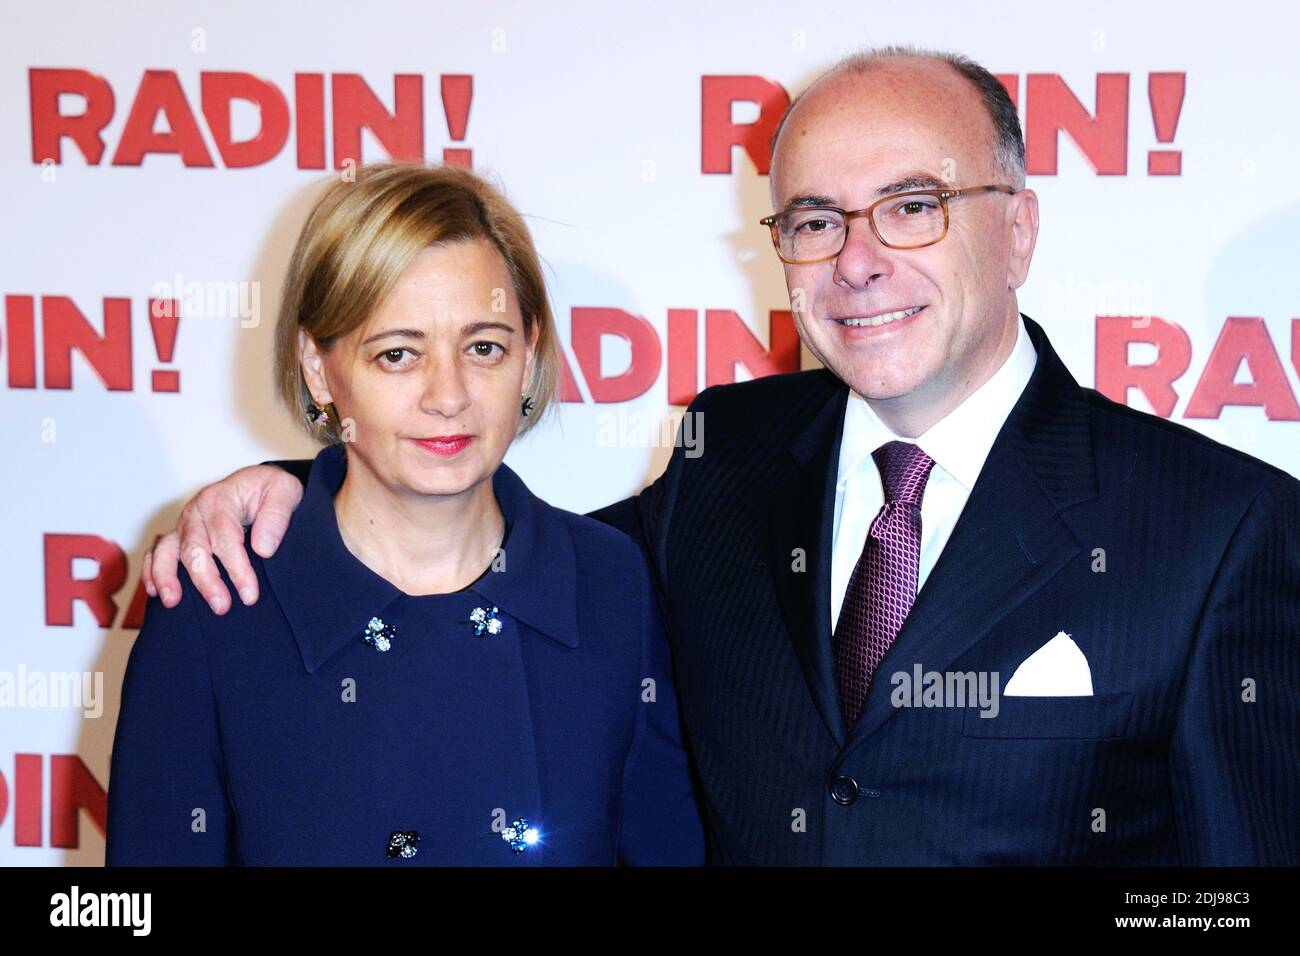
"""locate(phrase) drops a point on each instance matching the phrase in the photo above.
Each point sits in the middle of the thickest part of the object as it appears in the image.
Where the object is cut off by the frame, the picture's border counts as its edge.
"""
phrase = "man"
(961, 610)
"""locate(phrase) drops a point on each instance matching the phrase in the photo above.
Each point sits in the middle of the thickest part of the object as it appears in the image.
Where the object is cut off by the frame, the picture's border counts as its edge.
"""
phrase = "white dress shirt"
(959, 443)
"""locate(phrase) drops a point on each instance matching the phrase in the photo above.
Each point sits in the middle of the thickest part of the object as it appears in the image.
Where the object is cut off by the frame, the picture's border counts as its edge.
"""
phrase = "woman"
(450, 671)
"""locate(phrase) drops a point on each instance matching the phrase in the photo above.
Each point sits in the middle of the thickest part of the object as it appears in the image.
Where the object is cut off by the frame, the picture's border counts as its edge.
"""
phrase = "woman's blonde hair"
(360, 237)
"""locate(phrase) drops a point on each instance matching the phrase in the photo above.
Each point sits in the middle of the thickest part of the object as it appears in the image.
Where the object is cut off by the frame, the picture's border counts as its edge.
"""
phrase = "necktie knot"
(904, 469)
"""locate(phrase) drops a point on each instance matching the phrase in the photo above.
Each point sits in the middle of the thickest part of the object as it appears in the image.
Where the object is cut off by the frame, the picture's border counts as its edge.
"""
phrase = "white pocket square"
(1057, 669)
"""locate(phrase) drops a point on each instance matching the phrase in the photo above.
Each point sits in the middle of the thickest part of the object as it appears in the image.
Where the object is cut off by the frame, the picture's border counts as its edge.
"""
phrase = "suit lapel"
(800, 524)
(1010, 538)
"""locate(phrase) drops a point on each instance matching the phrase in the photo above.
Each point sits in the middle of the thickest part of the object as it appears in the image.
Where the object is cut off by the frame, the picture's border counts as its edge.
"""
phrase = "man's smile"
(878, 318)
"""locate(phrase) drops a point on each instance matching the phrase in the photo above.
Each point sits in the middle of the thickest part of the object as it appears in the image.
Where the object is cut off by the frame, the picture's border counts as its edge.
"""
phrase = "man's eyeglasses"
(907, 220)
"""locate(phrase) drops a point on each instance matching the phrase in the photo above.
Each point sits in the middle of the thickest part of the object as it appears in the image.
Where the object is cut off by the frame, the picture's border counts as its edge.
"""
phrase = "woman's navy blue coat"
(276, 734)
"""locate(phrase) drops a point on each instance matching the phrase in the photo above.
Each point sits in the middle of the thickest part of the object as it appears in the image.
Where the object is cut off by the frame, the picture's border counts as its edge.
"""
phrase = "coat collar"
(801, 523)
(328, 596)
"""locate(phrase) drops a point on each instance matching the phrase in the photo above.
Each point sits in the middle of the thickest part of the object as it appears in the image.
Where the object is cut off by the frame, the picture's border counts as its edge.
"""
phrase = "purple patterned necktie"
(883, 585)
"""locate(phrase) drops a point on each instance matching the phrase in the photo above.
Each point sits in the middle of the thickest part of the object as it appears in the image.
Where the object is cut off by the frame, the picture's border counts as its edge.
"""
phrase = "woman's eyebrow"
(406, 333)
(474, 327)
(470, 329)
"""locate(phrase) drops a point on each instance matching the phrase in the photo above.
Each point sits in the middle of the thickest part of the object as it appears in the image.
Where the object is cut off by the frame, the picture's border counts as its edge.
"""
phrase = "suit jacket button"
(844, 790)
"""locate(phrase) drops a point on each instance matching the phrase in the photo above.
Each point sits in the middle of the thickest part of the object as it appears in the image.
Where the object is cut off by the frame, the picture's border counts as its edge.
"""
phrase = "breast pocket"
(1100, 716)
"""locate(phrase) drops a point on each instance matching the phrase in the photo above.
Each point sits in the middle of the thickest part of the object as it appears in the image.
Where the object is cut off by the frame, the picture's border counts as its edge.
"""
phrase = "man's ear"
(313, 368)
(1024, 234)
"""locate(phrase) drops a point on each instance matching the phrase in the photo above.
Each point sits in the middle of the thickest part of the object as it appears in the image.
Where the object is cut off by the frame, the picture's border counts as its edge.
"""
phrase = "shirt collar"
(960, 441)
(328, 595)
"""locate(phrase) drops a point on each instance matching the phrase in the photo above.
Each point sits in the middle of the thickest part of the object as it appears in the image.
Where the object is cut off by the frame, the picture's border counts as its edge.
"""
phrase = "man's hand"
(212, 523)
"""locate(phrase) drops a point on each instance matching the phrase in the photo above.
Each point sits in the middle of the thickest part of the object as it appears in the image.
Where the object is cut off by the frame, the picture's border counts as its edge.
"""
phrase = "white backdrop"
(603, 123)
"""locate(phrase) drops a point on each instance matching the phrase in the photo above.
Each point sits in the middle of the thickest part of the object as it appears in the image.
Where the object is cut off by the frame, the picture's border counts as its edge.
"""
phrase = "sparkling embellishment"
(401, 843)
(520, 835)
(485, 621)
(379, 635)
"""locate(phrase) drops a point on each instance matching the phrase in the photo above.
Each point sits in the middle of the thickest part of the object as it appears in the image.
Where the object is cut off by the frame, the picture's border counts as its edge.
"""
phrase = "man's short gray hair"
(1009, 147)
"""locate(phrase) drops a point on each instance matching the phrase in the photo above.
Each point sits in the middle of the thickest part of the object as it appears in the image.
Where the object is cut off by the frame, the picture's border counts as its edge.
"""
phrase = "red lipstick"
(448, 446)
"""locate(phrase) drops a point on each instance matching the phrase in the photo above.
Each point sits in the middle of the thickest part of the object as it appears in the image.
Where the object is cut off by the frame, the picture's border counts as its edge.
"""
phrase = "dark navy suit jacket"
(1187, 752)
(276, 735)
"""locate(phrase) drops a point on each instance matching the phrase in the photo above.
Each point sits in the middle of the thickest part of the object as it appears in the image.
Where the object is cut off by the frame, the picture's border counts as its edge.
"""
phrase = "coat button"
(402, 844)
(844, 790)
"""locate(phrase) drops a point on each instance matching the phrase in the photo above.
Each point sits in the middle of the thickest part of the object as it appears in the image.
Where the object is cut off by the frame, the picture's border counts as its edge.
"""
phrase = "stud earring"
(526, 406)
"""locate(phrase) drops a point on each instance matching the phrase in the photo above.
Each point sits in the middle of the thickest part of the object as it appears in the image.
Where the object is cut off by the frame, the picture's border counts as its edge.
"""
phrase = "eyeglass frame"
(943, 195)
